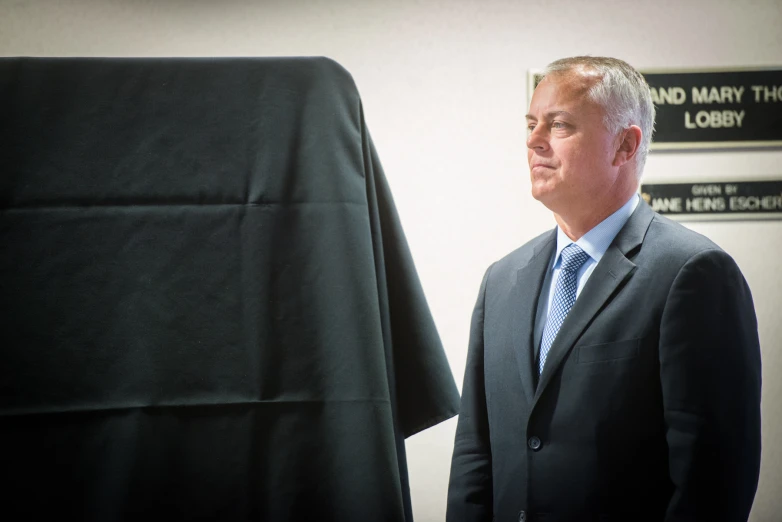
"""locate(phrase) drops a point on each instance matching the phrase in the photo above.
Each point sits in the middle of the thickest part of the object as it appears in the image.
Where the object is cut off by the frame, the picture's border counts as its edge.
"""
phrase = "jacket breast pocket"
(609, 352)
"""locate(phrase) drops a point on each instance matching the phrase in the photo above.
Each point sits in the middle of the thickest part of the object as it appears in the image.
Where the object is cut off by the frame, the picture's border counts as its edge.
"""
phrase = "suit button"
(534, 443)
(522, 516)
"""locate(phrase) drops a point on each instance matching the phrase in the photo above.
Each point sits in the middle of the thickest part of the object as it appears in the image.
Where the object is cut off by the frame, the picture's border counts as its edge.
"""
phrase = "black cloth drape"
(209, 309)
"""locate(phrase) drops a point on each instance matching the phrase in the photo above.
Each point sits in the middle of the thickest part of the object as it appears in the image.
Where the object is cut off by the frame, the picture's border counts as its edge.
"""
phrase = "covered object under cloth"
(209, 309)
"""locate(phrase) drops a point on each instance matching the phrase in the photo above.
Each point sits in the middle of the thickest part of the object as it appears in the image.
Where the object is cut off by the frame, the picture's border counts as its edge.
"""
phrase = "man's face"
(570, 151)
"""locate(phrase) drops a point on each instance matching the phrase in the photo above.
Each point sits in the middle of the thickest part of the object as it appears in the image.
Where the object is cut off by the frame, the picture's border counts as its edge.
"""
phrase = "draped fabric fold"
(210, 310)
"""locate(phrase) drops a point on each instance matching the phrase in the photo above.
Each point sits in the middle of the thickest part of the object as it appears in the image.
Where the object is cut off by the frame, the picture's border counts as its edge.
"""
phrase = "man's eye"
(530, 127)
(559, 125)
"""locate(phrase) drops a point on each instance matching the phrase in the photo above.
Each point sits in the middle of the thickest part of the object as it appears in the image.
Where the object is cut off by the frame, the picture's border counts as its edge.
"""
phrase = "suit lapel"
(609, 274)
(529, 281)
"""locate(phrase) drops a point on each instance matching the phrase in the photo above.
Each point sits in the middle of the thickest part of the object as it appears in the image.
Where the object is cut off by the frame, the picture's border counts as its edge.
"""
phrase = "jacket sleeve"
(711, 377)
(470, 486)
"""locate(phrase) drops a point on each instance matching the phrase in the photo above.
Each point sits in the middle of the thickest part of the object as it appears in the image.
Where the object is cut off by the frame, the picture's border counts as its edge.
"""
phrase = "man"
(613, 371)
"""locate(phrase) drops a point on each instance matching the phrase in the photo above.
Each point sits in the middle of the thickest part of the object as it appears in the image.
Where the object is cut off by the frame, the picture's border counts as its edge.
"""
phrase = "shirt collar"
(596, 241)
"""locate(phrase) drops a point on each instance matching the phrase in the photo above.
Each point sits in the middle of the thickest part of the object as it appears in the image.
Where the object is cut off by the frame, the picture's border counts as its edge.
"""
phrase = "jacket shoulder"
(520, 257)
(675, 239)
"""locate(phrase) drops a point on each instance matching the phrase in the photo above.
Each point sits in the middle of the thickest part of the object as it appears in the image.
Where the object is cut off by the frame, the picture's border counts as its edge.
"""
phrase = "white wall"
(444, 89)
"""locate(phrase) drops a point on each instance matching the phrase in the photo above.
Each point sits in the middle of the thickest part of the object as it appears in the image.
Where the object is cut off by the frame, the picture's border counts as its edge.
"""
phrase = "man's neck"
(576, 226)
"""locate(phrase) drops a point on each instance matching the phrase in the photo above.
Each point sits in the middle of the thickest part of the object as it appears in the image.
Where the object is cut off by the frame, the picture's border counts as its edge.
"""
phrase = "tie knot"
(573, 257)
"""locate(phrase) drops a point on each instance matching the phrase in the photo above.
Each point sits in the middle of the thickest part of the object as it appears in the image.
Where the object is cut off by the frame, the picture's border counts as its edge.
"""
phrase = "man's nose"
(537, 139)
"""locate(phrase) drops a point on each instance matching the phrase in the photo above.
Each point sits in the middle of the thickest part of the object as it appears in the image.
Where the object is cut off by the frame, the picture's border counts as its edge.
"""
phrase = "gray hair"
(621, 91)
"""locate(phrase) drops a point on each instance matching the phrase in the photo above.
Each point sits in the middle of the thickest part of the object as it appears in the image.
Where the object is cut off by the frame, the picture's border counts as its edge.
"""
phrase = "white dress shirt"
(595, 243)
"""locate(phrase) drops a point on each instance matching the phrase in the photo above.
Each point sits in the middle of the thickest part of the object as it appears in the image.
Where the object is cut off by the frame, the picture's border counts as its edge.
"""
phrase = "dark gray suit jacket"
(649, 405)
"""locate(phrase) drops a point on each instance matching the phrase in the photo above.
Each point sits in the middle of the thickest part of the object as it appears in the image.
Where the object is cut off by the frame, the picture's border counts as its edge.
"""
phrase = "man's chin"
(546, 196)
(541, 192)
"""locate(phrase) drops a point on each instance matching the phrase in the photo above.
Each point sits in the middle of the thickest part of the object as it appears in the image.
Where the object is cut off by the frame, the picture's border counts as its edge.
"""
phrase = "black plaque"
(716, 200)
(729, 108)
(709, 109)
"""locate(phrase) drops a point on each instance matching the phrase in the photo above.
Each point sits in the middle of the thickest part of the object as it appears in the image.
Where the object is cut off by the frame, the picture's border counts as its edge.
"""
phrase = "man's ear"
(629, 141)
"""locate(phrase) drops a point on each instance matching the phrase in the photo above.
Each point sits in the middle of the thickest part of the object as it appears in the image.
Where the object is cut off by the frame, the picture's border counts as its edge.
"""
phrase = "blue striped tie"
(564, 297)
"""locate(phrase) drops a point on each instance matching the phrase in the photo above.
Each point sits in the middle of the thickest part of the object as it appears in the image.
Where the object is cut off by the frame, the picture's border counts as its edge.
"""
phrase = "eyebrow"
(550, 115)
